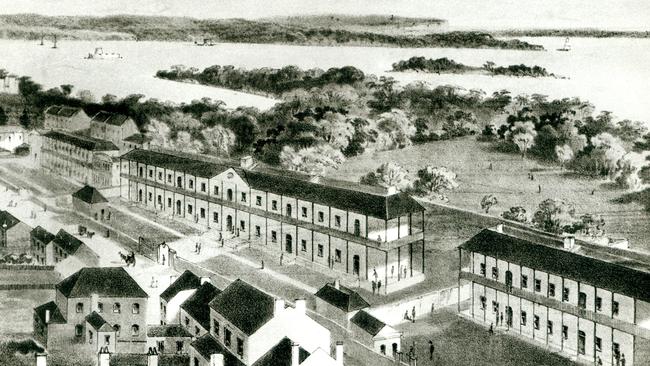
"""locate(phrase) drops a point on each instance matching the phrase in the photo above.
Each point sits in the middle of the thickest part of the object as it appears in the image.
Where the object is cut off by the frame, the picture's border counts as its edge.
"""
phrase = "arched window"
(135, 330)
(117, 307)
(179, 182)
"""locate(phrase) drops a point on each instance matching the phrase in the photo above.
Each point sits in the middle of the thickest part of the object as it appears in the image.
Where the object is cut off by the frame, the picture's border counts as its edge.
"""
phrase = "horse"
(129, 259)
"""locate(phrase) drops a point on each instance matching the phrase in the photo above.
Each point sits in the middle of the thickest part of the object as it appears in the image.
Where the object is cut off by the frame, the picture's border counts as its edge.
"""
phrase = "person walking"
(374, 274)
(622, 359)
(405, 272)
(374, 286)
(392, 271)
(491, 330)
(379, 287)
(432, 348)
(413, 314)
(198, 248)
(501, 319)
(262, 263)
(281, 258)
(539, 188)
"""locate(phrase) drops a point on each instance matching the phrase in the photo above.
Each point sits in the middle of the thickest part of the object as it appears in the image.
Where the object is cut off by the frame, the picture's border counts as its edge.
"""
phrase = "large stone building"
(94, 308)
(360, 232)
(589, 303)
(117, 128)
(84, 159)
(65, 118)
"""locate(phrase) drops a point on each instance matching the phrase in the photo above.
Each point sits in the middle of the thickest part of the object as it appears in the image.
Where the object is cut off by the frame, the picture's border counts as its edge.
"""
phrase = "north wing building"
(367, 233)
(587, 303)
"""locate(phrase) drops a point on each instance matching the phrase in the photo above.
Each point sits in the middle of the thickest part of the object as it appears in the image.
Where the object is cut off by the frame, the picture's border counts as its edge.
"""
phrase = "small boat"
(99, 54)
(566, 47)
(206, 42)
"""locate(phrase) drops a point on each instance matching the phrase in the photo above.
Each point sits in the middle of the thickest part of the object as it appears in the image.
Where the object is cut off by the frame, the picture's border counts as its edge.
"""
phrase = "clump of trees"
(389, 175)
(445, 65)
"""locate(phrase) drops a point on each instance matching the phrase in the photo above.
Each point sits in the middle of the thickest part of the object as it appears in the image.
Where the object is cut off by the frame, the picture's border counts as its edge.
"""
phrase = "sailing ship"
(99, 54)
(566, 47)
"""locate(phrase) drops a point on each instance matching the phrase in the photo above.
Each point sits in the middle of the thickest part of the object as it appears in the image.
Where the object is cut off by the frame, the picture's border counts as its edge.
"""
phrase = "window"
(382, 349)
(100, 307)
(169, 178)
(599, 344)
(150, 173)
(203, 188)
(78, 330)
(240, 347)
(483, 302)
(187, 321)
(258, 231)
(524, 281)
(582, 300)
(226, 337)
(107, 340)
(599, 303)
(215, 327)
(565, 332)
(117, 307)
(191, 184)
(160, 176)
(581, 342)
(337, 255)
(258, 201)
(215, 216)
(549, 327)
(614, 308)
(243, 196)
(495, 273)
(321, 216)
(304, 212)
(90, 336)
(523, 318)
(495, 307)
(189, 209)
(202, 213)
(482, 269)
(179, 346)
(303, 245)
(80, 307)
(320, 250)
(289, 211)
(179, 182)
(141, 172)
(565, 294)
(135, 330)
(274, 205)
(337, 221)
(616, 349)
(551, 290)
(159, 200)
(538, 285)
(536, 322)
(242, 225)
(216, 191)
(274, 236)
(169, 202)
(150, 195)
(135, 308)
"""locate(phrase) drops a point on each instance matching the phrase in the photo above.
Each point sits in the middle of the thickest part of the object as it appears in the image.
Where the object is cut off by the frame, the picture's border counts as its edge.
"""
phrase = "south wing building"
(368, 234)
(578, 301)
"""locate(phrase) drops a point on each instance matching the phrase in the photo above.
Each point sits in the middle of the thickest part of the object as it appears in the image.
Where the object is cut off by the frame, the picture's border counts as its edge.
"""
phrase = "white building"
(11, 137)
(175, 294)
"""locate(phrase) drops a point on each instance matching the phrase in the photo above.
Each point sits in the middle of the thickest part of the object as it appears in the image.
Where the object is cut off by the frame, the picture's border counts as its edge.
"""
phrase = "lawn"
(17, 310)
(508, 181)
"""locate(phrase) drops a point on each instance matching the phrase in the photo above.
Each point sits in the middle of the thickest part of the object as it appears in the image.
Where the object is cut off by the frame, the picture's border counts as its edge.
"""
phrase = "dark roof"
(555, 260)
(368, 323)
(67, 242)
(138, 138)
(114, 119)
(8, 219)
(207, 345)
(382, 206)
(280, 355)
(90, 195)
(62, 111)
(103, 281)
(42, 234)
(197, 306)
(140, 359)
(343, 298)
(98, 322)
(244, 306)
(55, 314)
(83, 142)
(169, 330)
(186, 281)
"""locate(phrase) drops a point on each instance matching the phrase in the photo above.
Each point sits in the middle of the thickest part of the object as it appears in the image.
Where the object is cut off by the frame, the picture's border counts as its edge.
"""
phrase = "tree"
(182, 122)
(3, 117)
(388, 175)
(434, 180)
(25, 120)
(336, 130)
(186, 143)
(66, 89)
(397, 127)
(109, 99)
(159, 133)
(312, 160)
(630, 131)
(553, 214)
(609, 151)
(86, 96)
(219, 139)
(564, 154)
(523, 135)
(516, 213)
(487, 202)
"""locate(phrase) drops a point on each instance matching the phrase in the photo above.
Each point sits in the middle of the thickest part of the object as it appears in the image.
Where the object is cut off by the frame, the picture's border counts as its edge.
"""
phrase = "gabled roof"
(98, 323)
(169, 330)
(89, 195)
(555, 260)
(55, 314)
(244, 306)
(197, 306)
(62, 111)
(280, 355)
(138, 138)
(319, 358)
(42, 234)
(368, 323)
(346, 196)
(343, 298)
(114, 119)
(186, 281)
(83, 142)
(7, 220)
(103, 281)
(67, 242)
(207, 345)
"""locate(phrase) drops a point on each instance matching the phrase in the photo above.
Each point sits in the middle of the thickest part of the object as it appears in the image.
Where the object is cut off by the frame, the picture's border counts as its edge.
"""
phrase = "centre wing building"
(369, 233)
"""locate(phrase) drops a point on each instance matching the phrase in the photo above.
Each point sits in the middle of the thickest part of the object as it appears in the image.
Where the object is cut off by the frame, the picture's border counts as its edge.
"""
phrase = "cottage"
(14, 234)
(90, 202)
(195, 311)
(175, 294)
(339, 303)
(375, 334)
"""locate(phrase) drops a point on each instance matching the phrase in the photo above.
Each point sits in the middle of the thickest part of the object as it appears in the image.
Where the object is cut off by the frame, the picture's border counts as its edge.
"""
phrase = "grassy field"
(17, 310)
(508, 181)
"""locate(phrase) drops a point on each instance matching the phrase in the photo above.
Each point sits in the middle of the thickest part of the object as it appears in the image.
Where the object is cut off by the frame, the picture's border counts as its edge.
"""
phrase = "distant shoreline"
(577, 33)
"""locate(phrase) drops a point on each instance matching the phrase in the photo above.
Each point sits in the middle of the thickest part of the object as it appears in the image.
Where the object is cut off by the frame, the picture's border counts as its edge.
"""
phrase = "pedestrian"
(392, 271)
(593, 191)
(379, 287)
(532, 177)
(222, 242)
(262, 263)
(501, 319)
(491, 330)
(199, 248)
(163, 259)
(433, 307)
(539, 188)
(405, 272)
(413, 314)
(374, 273)
(44, 208)
(599, 362)
(153, 282)
(329, 262)
(220, 236)
(490, 166)
(196, 247)
(406, 315)
(281, 258)
(374, 286)
(432, 348)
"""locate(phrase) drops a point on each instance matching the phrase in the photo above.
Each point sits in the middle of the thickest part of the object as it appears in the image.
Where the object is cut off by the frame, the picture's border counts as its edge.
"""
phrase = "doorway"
(355, 265)
(179, 207)
(288, 243)
(229, 223)
(509, 316)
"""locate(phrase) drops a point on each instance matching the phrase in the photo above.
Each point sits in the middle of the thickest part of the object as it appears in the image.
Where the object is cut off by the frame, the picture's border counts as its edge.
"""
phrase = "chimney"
(152, 357)
(339, 353)
(205, 279)
(569, 242)
(94, 300)
(499, 228)
(301, 306)
(216, 359)
(279, 306)
(47, 316)
(41, 359)
(246, 162)
(337, 284)
(391, 190)
(295, 354)
(104, 358)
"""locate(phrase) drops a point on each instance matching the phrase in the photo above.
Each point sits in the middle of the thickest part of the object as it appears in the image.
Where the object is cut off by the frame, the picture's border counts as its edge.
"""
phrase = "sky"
(479, 14)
